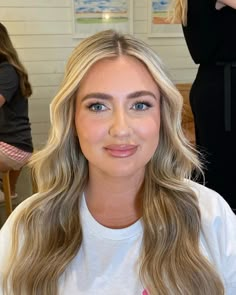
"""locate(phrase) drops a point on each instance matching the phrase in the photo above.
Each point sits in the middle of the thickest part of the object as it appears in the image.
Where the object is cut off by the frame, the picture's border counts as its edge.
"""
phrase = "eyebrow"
(105, 96)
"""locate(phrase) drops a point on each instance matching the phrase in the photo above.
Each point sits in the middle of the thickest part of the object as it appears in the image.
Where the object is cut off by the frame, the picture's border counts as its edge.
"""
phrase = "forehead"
(124, 73)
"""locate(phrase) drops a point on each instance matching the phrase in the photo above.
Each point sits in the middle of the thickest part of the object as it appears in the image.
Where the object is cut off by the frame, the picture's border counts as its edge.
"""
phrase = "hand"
(2, 100)
(219, 5)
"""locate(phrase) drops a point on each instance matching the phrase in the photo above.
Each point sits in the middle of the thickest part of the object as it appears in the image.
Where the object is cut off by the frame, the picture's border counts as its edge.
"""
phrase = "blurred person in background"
(209, 31)
(15, 132)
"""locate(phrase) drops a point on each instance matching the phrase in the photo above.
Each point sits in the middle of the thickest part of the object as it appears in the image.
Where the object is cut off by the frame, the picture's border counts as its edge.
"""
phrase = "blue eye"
(141, 106)
(97, 107)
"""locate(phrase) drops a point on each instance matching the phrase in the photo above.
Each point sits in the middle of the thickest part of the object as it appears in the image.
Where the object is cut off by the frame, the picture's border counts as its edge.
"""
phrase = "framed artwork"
(91, 16)
(158, 23)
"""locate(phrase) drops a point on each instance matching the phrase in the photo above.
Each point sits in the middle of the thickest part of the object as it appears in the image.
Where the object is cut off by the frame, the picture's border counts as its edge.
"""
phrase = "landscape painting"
(91, 16)
(159, 11)
(159, 25)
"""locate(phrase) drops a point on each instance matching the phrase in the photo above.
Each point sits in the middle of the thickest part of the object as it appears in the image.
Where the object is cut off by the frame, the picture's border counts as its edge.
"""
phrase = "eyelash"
(91, 105)
(147, 106)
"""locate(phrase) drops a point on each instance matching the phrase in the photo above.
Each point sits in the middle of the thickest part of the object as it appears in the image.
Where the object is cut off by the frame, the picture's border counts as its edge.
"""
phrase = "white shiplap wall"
(42, 34)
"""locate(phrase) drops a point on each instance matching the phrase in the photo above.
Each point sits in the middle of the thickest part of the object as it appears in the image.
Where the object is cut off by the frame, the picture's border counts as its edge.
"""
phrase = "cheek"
(88, 131)
(150, 129)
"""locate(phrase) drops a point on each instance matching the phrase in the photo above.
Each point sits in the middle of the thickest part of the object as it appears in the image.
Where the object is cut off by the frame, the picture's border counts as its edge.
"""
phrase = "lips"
(121, 151)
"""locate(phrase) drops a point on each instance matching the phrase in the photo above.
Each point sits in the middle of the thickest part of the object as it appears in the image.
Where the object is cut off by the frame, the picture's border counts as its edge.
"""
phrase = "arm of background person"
(221, 3)
(2, 100)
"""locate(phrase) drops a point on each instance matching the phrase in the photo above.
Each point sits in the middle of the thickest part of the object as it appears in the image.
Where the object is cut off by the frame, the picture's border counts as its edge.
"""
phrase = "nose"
(120, 124)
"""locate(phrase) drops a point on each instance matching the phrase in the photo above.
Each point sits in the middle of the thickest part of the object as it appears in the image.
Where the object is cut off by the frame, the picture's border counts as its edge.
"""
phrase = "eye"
(141, 106)
(97, 107)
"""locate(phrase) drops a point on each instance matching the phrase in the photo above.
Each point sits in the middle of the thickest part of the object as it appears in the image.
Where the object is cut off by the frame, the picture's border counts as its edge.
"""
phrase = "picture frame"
(91, 16)
(158, 24)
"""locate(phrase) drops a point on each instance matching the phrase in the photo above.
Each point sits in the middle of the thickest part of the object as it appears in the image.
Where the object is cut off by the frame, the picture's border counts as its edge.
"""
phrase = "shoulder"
(6, 237)
(7, 68)
(8, 74)
(6, 234)
(211, 203)
(15, 213)
(218, 233)
(9, 81)
(213, 207)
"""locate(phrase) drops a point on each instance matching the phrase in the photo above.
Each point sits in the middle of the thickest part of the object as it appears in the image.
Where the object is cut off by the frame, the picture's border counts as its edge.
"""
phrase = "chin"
(124, 172)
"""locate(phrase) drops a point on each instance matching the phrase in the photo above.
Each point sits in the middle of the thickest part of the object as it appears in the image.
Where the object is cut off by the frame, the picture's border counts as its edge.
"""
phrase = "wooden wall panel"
(45, 55)
(39, 28)
(33, 3)
(41, 31)
(35, 14)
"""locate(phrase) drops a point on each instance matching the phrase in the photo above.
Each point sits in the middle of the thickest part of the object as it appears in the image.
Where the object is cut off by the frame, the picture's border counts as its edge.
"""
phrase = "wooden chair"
(7, 192)
(187, 115)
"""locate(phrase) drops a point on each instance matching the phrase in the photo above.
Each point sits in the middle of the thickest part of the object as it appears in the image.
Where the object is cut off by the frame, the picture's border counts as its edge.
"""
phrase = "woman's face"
(117, 116)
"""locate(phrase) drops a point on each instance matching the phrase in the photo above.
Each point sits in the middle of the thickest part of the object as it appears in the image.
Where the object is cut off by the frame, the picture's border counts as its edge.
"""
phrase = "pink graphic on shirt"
(145, 292)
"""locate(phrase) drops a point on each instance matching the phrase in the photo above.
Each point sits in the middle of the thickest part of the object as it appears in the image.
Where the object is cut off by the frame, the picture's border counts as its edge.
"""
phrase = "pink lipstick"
(121, 150)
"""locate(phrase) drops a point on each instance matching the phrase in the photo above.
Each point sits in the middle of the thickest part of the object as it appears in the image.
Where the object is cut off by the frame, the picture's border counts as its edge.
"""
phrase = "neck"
(115, 202)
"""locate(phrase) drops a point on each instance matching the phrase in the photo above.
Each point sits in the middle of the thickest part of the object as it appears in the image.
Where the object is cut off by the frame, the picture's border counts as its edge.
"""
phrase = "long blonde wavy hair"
(47, 234)
(178, 11)
(9, 54)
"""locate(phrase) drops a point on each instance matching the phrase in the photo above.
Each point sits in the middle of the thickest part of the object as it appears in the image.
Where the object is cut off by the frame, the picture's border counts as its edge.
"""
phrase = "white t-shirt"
(106, 263)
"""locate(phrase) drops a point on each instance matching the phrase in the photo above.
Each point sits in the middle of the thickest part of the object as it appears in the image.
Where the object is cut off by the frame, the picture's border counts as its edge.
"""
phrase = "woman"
(15, 133)
(116, 212)
(212, 45)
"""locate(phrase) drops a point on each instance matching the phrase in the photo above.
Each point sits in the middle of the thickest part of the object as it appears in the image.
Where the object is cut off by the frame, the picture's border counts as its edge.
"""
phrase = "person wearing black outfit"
(209, 31)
